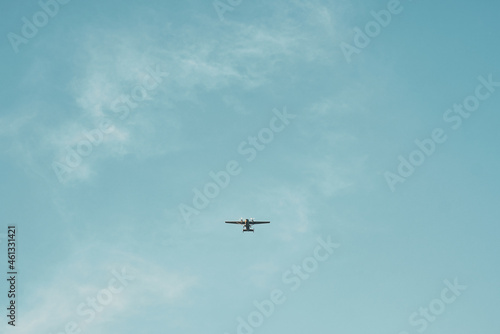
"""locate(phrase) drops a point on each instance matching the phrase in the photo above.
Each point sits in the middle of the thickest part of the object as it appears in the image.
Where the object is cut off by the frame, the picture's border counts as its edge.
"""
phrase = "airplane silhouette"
(247, 223)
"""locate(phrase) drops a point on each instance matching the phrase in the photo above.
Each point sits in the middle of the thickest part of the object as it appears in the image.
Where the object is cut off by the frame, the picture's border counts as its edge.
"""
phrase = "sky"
(365, 131)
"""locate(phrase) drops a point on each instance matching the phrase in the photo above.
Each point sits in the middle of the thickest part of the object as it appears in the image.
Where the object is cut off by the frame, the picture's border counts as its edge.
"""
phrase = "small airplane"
(247, 223)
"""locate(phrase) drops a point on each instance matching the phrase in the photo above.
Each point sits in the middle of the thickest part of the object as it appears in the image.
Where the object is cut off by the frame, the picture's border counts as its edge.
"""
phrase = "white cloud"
(110, 62)
(50, 306)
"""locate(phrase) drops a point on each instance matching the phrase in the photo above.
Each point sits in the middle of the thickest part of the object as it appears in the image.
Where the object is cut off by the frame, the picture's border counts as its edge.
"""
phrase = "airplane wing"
(254, 222)
(234, 222)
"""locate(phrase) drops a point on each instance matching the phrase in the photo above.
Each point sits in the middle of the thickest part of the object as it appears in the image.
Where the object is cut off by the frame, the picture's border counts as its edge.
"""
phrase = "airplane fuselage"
(247, 227)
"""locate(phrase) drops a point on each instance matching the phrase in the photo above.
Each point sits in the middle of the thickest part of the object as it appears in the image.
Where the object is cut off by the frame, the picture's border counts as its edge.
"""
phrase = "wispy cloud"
(56, 303)
(111, 61)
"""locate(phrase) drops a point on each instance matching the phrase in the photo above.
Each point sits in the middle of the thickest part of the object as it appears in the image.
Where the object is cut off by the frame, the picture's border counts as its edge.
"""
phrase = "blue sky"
(115, 113)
